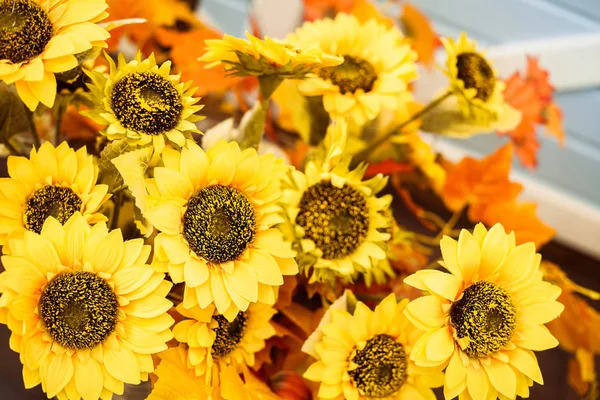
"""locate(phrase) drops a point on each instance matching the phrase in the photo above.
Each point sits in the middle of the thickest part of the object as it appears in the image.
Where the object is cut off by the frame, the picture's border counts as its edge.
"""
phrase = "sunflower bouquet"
(213, 217)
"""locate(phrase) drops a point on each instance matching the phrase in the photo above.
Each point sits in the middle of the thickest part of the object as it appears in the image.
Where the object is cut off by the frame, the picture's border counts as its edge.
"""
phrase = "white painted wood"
(577, 223)
(277, 18)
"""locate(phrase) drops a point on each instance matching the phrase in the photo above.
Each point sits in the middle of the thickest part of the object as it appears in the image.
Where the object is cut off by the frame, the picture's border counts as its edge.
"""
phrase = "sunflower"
(367, 355)
(338, 221)
(378, 65)
(216, 211)
(177, 381)
(40, 38)
(142, 103)
(85, 311)
(473, 80)
(53, 182)
(256, 57)
(485, 317)
(215, 343)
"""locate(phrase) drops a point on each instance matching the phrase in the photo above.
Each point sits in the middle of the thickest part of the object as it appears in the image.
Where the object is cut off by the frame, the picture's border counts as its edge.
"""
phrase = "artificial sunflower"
(53, 182)
(142, 103)
(85, 310)
(177, 381)
(378, 65)
(216, 211)
(40, 38)
(366, 355)
(256, 57)
(337, 220)
(215, 343)
(474, 81)
(485, 317)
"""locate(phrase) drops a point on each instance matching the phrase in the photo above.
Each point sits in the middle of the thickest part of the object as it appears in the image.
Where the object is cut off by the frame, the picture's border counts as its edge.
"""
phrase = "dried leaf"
(479, 183)
(520, 218)
(418, 28)
(110, 174)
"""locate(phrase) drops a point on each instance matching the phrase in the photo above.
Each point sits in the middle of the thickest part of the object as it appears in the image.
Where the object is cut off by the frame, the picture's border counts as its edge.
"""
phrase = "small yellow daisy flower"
(216, 212)
(40, 38)
(256, 57)
(366, 355)
(338, 222)
(215, 343)
(473, 80)
(378, 66)
(85, 310)
(55, 182)
(485, 318)
(141, 102)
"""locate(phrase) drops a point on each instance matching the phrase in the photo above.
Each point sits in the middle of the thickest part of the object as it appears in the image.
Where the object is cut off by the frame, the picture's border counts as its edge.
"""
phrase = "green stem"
(118, 202)
(34, 133)
(254, 129)
(59, 116)
(364, 154)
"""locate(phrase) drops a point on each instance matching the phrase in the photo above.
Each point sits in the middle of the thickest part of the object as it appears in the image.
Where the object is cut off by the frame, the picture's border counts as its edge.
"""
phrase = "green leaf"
(13, 113)
(110, 174)
(132, 166)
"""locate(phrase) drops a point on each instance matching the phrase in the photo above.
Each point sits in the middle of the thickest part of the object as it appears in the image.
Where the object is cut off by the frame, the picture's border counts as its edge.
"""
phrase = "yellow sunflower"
(85, 310)
(474, 81)
(337, 220)
(256, 57)
(485, 317)
(40, 38)
(216, 211)
(141, 102)
(53, 182)
(378, 65)
(215, 343)
(177, 381)
(367, 355)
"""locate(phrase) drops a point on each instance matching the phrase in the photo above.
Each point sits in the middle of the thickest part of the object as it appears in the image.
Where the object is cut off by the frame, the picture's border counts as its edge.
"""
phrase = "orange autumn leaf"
(418, 28)
(479, 183)
(388, 167)
(157, 13)
(520, 218)
(316, 9)
(76, 126)
(531, 94)
(186, 47)
(365, 10)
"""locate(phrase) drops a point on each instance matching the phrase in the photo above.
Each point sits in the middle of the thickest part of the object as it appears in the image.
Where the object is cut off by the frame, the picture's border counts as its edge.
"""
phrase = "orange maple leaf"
(186, 47)
(418, 28)
(316, 9)
(532, 95)
(479, 183)
(520, 218)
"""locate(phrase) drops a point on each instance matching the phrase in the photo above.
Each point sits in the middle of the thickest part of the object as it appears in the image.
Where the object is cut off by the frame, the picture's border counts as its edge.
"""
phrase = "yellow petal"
(538, 312)
(425, 312)
(107, 255)
(449, 249)
(122, 365)
(502, 377)
(27, 95)
(221, 169)
(89, 379)
(165, 217)
(195, 272)
(526, 362)
(456, 371)
(129, 279)
(22, 169)
(478, 384)
(469, 255)
(442, 284)
(56, 372)
(172, 183)
(244, 281)
(315, 372)
(194, 165)
(440, 345)
(493, 251)
(219, 292)
(266, 268)
(535, 337)
(518, 263)
(44, 90)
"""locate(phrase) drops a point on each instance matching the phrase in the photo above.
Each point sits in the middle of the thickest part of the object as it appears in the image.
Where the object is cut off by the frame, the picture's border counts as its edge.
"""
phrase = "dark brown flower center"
(25, 30)
(219, 223)
(336, 219)
(486, 316)
(146, 102)
(476, 73)
(79, 309)
(50, 201)
(229, 334)
(353, 74)
(381, 367)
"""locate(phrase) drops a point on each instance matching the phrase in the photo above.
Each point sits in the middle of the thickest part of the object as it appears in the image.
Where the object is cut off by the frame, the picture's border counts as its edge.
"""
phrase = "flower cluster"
(270, 258)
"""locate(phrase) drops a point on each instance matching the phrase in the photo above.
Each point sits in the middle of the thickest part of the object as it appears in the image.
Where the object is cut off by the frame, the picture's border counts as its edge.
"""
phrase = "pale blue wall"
(572, 169)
